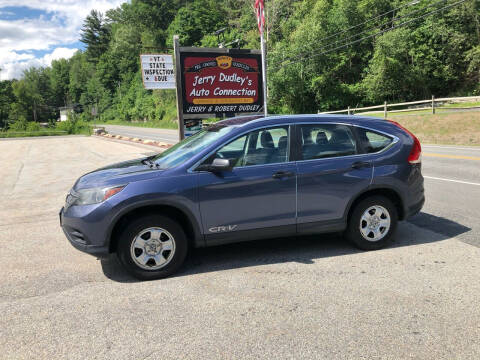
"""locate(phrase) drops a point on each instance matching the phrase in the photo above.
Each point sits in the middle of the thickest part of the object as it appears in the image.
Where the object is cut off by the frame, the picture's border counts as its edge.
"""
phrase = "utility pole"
(178, 81)
(34, 110)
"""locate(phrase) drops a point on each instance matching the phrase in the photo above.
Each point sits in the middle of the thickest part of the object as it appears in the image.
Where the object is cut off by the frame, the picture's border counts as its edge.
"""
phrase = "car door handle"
(282, 174)
(361, 164)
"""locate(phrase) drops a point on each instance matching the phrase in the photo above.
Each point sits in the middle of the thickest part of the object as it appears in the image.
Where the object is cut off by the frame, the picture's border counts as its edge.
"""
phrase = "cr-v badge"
(217, 229)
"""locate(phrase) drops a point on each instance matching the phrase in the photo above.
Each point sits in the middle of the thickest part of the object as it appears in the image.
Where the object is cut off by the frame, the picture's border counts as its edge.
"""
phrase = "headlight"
(94, 195)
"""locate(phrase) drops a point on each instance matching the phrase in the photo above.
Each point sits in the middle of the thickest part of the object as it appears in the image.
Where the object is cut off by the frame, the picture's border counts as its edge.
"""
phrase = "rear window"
(372, 141)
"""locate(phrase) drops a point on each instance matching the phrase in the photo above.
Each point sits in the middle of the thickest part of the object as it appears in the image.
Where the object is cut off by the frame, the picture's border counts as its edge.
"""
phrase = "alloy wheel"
(375, 223)
(152, 248)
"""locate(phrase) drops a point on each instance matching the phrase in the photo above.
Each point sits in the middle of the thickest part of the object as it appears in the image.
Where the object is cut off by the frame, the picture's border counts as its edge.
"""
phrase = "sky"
(35, 32)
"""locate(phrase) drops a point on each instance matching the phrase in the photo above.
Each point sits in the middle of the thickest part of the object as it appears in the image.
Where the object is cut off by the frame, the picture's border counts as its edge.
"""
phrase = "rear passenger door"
(331, 169)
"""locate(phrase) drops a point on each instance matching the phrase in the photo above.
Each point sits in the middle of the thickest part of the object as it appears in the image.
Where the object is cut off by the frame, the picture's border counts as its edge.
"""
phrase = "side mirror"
(218, 165)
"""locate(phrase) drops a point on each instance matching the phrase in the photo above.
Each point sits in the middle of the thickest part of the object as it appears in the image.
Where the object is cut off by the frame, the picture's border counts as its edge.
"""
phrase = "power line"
(391, 21)
(290, 62)
(370, 20)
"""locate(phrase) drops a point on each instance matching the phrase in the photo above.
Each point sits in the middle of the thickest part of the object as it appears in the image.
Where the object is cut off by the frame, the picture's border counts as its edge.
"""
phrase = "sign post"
(178, 81)
(215, 83)
(209, 82)
(157, 71)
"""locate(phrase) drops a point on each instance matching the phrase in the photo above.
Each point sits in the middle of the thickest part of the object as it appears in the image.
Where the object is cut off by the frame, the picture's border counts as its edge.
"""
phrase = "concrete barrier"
(160, 144)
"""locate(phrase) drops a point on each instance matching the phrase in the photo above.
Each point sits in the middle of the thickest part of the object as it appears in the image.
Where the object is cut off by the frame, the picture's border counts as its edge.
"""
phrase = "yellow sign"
(224, 62)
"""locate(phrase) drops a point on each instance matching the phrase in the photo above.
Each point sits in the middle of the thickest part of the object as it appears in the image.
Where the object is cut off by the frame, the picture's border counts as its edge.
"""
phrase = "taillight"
(415, 156)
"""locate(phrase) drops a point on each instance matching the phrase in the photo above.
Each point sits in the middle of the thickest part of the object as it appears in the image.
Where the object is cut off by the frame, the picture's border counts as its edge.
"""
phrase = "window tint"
(373, 142)
(327, 140)
(264, 146)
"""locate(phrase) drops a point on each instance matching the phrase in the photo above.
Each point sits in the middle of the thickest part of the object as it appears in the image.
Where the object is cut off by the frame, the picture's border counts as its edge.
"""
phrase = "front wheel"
(372, 223)
(152, 247)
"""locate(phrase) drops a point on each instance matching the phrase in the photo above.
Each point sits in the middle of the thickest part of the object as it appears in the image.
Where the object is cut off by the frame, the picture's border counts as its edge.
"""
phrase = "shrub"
(32, 126)
(74, 127)
(18, 126)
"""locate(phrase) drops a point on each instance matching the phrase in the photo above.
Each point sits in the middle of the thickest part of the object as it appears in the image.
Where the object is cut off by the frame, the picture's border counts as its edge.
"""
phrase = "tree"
(59, 82)
(6, 99)
(197, 19)
(95, 34)
(432, 55)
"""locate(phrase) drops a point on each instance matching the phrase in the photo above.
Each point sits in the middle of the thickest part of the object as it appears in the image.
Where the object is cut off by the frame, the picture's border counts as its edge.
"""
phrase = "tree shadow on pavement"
(302, 249)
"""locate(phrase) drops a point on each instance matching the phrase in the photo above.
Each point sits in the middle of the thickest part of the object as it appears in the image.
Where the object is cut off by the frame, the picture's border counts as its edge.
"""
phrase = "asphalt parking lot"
(313, 297)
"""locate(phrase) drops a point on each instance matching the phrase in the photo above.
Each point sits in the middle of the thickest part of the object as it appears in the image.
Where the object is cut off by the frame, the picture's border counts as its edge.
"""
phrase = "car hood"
(116, 174)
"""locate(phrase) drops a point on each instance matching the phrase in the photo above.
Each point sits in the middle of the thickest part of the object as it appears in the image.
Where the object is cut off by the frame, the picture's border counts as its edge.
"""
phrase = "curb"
(160, 144)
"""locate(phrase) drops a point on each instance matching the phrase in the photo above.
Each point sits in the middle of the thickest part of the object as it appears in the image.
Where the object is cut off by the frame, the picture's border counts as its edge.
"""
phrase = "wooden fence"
(430, 105)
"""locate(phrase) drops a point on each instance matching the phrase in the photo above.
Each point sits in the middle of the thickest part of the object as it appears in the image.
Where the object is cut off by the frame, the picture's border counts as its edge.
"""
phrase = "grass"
(461, 128)
(163, 124)
(14, 134)
(462, 104)
(60, 128)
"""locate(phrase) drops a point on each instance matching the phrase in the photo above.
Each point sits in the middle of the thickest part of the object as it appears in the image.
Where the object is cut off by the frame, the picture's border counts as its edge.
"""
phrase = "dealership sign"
(157, 71)
(219, 82)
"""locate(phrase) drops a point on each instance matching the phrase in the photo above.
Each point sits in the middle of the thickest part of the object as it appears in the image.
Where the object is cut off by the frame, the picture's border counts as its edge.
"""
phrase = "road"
(314, 297)
(164, 135)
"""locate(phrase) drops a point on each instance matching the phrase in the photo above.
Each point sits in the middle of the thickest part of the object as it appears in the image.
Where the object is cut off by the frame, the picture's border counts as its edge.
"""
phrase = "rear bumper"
(415, 208)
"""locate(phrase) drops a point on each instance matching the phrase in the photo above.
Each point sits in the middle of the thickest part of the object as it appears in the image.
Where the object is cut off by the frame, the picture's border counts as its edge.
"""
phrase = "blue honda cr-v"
(249, 178)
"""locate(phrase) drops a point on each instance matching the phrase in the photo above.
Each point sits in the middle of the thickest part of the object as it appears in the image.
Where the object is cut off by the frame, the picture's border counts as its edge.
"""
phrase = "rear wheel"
(152, 247)
(372, 223)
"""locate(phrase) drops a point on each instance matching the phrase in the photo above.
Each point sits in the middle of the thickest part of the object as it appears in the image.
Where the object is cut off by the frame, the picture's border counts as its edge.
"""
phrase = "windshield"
(190, 146)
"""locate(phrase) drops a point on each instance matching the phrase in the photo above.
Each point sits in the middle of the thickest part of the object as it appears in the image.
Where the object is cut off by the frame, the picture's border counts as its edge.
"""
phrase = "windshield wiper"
(148, 161)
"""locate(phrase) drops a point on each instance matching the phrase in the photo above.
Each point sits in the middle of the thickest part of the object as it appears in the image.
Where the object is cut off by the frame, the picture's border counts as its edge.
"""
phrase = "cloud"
(57, 27)
(19, 35)
(13, 64)
(6, 13)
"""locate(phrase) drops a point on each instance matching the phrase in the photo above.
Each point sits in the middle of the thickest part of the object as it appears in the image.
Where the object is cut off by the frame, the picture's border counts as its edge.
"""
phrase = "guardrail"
(432, 106)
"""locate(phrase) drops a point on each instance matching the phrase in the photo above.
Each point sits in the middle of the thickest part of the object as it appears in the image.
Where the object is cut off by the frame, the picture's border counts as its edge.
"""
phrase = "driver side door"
(257, 197)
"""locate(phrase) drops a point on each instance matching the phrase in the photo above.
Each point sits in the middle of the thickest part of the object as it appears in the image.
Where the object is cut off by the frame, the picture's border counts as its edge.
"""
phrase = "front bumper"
(79, 240)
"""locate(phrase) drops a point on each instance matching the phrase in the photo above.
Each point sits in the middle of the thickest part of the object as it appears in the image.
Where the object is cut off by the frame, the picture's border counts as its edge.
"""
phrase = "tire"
(369, 231)
(152, 247)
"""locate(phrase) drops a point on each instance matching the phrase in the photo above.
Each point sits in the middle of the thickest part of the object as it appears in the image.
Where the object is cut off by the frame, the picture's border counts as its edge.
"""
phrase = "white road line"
(451, 147)
(451, 180)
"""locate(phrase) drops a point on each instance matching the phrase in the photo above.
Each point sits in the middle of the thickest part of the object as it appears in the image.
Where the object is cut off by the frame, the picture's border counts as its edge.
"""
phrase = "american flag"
(260, 12)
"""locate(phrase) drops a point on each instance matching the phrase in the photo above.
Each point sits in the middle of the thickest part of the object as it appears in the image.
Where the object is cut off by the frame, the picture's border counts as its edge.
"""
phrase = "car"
(249, 178)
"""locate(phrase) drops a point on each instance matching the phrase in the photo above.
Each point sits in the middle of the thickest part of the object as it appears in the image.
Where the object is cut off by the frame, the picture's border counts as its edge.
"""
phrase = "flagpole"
(264, 73)
(260, 13)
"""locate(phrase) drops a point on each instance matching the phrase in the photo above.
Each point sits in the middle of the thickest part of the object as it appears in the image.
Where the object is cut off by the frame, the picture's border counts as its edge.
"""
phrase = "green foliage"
(6, 99)
(437, 55)
(19, 125)
(32, 126)
(434, 55)
(96, 35)
(74, 127)
(197, 19)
